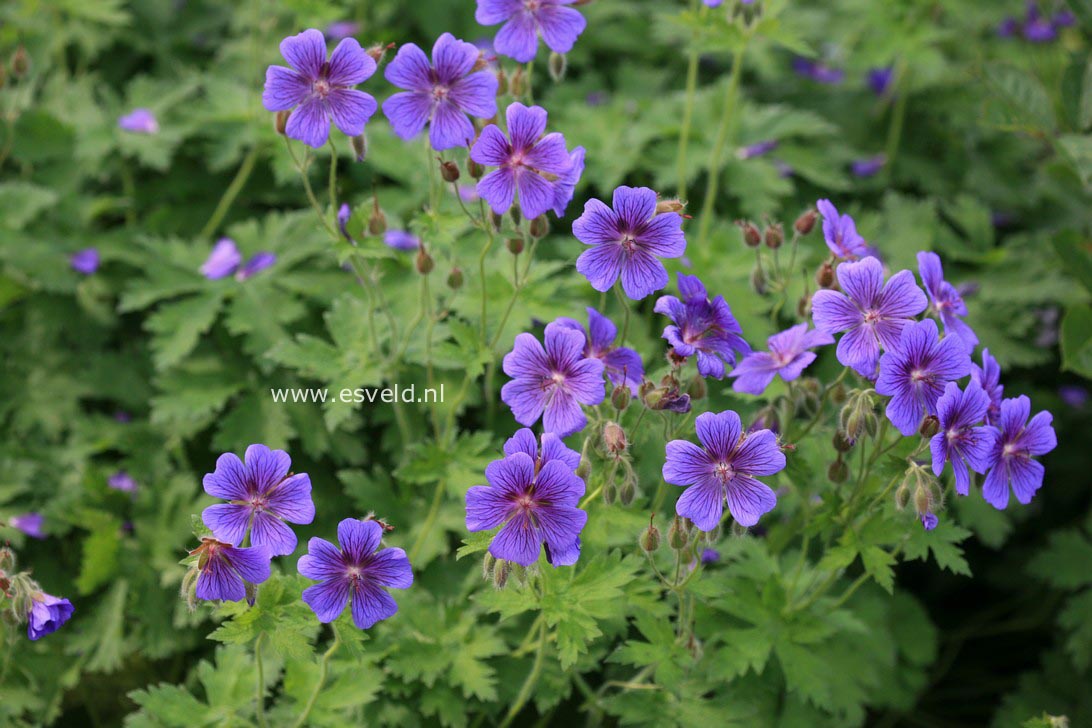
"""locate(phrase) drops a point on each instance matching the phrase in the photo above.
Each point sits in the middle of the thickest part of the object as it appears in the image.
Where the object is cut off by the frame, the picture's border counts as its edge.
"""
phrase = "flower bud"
(280, 121)
(838, 393)
(516, 214)
(497, 220)
(902, 496)
(923, 500)
(487, 566)
(359, 145)
(803, 306)
(650, 539)
(475, 170)
(610, 493)
(805, 222)
(614, 438)
(628, 490)
(930, 425)
(824, 277)
(677, 535)
(20, 62)
(188, 591)
(583, 470)
(515, 245)
(775, 236)
(671, 205)
(751, 237)
(697, 388)
(841, 442)
(449, 171)
(424, 262)
(539, 227)
(7, 561)
(502, 82)
(515, 84)
(377, 223)
(557, 66)
(501, 570)
(620, 397)
(758, 280)
(838, 472)
(455, 279)
(379, 50)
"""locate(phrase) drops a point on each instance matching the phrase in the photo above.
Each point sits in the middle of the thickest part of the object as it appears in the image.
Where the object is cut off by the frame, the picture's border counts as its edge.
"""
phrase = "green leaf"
(1064, 563)
(1019, 101)
(943, 542)
(1077, 150)
(878, 564)
(21, 202)
(176, 327)
(1076, 340)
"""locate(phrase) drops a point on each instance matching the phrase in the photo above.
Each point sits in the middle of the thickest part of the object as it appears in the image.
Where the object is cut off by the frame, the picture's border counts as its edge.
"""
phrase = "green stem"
(323, 667)
(727, 118)
(332, 183)
(625, 307)
(232, 191)
(688, 111)
(898, 116)
(529, 683)
(430, 521)
(259, 691)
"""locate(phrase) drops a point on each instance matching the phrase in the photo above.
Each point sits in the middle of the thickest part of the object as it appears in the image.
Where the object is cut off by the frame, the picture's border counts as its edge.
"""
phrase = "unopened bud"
(902, 496)
(474, 169)
(487, 565)
(677, 535)
(455, 279)
(502, 82)
(424, 262)
(930, 425)
(614, 438)
(20, 62)
(557, 66)
(805, 222)
(628, 490)
(377, 223)
(539, 227)
(803, 306)
(516, 214)
(620, 397)
(838, 471)
(280, 121)
(824, 277)
(650, 539)
(481, 63)
(379, 50)
(583, 470)
(515, 245)
(841, 442)
(610, 493)
(515, 84)
(697, 388)
(758, 280)
(923, 500)
(672, 205)
(838, 393)
(501, 570)
(775, 235)
(359, 144)
(751, 237)
(497, 220)
(449, 171)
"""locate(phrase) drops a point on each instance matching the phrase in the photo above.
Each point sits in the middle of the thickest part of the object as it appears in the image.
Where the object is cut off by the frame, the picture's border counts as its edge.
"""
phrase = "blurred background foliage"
(988, 161)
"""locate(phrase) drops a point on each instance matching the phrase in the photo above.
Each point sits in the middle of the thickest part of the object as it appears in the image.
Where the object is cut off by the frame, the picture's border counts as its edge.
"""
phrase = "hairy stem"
(232, 191)
(323, 668)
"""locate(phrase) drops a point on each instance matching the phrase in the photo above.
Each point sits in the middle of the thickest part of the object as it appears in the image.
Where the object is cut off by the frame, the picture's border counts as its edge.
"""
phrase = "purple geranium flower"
(868, 166)
(988, 377)
(757, 149)
(319, 89)
(723, 469)
(879, 79)
(871, 313)
(1073, 395)
(222, 261)
(355, 574)
(225, 569)
(263, 495)
(1007, 27)
(946, 301)
(788, 357)
(840, 232)
(1037, 28)
(122, 481)
(343, 214)
(85, 261)
(627, 242)
(818, 72)
(929, 521)
(566, 182)
(527, 164)
(29, 523)
(342, 29)
(139, 121)
(623, 365)
(442, 92)
(553, 382)
(915, 372)
(401, 240)
(703, 327)
(47, 614)
(524, 20)
(960, 440)
(537, 506)
(1011, 459)
(552, 448)
(256, 264)
(713, 3)
(710, 556)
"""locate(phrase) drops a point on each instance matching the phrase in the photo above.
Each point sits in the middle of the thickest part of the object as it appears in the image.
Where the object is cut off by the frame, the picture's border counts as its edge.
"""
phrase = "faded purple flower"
(342, 29)
(710, 556)
(263, 494)
(222, 261)
(343, 214)
(1008, 27)
(1037, 27)
(525, 20)
(960, 439)
(319, 90)
(1073, 395)
(553, 382)
(566, 182)
(702, 327)
(122, 481)
(401, 240)
(225, 569)
(915, 371)
(723, 468)
(818, 72)
(868, 166)
(537, 506)
(784, 169)
(988, 377)
(840, 232)
(879, 79)
(256, 264)
(946, 301)
(713, 3)
(757, 149)
(929, 521)
(47, 614)
(788, 357)
(523, 164)
(871, 313)
(355, 574)
(1011, 459)
(627, 242)
(623, 365)
(441, 93)
(139, 121)
(1063, 19)
(85, 261)
(29, 523)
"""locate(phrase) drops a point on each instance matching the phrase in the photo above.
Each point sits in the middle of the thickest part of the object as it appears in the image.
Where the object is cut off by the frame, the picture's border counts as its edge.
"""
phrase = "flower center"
(918, 375)
(440, 92)
(532, 5)
(556, 379)
(872, 317)
(628, 242)
(321, 88)
(724, 472)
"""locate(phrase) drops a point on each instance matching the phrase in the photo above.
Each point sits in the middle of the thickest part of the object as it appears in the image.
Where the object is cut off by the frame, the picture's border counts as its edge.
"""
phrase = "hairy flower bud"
(628, 490)
(516, 83)
(838, 393)
(487, 566)
(902, 496)
(775, 236)
(539, 227)
(359, 144)
(516, 214)
(475, 170)
(697, 388)
(672, 205)
(502, 82)
(614, 438)
(515, 245)
(841, 442)
(20, 62)
(923, 500)
(751, 237)
(379, 50)
(280, 121)
(557, 66)
(497, 220)
(803, 306)
(455, 279)
(501, 571)
(930, 425)
(650, 539)
(758, 280)
(610, 492)
(805, 222)
(678, 535)
(424, 262)
(620, 397)
(188, 591)
(449, 171)
(583, 470)
(377, 223)
(838, 471)
(824, 277)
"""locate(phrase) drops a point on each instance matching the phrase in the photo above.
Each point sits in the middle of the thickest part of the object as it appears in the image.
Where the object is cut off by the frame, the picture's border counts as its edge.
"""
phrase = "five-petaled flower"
(225, 570)
(355, 574)
(537, 502)
(1011, 460)
(946, 301)
(788, 357)
(703, 327)
(989, 377)
(530, 163)
(263, 496)
(840, 232)
(623, 365)
(915, 372)
(871, 313)
(440, 93)
(552, 382)
(723, 469)
(319, 89)
(47, 614)
(627, 241)
(961, 439)
(524, 20)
